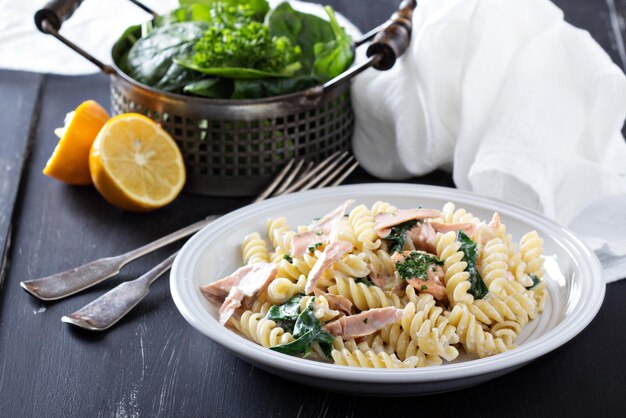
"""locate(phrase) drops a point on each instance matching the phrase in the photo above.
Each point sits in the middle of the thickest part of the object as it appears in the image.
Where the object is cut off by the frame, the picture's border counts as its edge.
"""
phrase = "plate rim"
(573, 323)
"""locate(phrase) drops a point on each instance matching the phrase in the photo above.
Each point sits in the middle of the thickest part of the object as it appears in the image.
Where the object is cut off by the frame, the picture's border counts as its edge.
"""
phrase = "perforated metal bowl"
(235, 147)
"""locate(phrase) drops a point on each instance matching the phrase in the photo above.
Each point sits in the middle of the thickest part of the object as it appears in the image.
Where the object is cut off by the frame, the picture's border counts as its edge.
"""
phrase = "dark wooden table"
(153, 363)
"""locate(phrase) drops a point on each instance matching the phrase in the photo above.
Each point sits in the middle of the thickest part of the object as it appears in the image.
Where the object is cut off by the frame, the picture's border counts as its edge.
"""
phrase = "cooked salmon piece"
(364, 323)
(246, 282)
(318, 231)
(217, 291)
(387, 220)
(442, 227)
(424, 237)
(333, 252)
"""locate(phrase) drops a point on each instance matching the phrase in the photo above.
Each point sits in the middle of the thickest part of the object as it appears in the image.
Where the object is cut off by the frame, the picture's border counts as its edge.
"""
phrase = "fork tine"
(320, 167)
(345, 174)
(339, 172)
(276, 181)
(291, 177)
(331, 168)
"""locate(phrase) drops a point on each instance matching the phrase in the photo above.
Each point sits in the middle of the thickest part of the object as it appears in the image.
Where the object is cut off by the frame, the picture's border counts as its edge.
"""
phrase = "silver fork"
(296, 175)
(109, 308)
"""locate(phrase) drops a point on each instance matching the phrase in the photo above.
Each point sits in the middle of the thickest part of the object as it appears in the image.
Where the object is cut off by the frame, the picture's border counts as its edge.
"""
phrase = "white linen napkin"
(519, 104)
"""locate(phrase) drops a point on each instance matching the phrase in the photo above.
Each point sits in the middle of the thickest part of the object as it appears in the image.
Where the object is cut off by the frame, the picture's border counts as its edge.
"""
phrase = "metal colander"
(234, 147)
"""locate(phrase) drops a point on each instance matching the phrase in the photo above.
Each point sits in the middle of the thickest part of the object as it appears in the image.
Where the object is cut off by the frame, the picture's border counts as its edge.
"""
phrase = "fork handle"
(67, 283)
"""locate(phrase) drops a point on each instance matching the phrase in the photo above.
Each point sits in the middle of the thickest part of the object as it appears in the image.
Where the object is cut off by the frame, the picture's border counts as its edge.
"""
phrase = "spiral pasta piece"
(494, 261)
(518, 307)
(261, 330)
(343, 231)
(383, 207)
(254, 249)
(456, 278)
(531, 251)
(350, 266)
(371, 359)
(362, 221)
(450, 215)
(471, 334)
(281, 289)
(362, 296)
(430, 329)
(276, 229)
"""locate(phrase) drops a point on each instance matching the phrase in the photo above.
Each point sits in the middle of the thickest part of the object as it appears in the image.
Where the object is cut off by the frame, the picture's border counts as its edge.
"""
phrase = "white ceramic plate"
(573, 277)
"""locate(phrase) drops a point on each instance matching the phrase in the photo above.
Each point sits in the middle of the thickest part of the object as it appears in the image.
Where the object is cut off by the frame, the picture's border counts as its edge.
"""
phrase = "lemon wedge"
(69, 161)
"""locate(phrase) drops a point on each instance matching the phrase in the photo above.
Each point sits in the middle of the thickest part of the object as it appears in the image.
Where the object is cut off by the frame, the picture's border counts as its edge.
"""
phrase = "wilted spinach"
(307, 329)
(150, 59)
(536, 281)
(478, 288)
(397, 236)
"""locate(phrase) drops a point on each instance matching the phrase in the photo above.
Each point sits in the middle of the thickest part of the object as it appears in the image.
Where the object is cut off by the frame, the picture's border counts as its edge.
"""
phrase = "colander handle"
(390, 41)
(50, 18)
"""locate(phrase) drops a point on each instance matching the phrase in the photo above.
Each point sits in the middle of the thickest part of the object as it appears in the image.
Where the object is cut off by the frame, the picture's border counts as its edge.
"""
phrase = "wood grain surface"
(153, 363)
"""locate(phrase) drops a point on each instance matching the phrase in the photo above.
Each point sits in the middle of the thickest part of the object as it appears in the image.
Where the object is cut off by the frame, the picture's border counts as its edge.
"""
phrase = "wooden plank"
(18, 109)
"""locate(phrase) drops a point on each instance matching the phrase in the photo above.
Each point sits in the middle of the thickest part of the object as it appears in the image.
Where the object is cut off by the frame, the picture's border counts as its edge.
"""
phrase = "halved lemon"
(135, 164)
(69, 161)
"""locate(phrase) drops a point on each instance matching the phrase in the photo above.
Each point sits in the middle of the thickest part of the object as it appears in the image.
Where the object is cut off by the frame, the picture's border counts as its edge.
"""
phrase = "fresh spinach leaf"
(259, 8)
(235, 72)
(536, 281)
(150, 59)
(302, 29)
(416, 265)
(478, 288)
(217, 88)
(269, 87)
(335, 56)
(397, 236)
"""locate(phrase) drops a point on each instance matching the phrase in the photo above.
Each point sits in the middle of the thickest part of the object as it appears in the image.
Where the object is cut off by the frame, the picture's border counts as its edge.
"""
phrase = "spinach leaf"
(268, 87)
(367, 282)
(306, 330)
(416, 265)
(325, 341)
(478, 288)
(258, 7)
(302, 29)
(536, 281)
(288, 311)
(150, 59)
(397, 236)
(217, 88)
(235, 72)
(333, 57)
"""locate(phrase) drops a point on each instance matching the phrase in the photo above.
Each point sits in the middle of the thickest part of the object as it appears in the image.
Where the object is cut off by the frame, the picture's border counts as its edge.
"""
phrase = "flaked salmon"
(318, 231)
(246, 282)
(388, 220)
(364, 323)
(333, 252)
